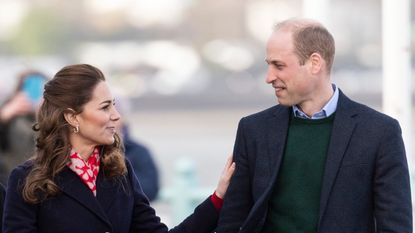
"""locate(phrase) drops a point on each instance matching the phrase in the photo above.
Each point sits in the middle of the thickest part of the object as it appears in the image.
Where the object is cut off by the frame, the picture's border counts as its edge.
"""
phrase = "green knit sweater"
(294, 204)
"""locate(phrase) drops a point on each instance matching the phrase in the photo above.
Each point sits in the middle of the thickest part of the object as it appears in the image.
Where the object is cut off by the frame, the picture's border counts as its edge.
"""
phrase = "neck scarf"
(86, 170)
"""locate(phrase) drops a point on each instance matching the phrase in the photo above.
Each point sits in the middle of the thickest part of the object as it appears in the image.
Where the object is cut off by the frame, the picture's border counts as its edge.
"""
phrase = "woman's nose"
(115, 116)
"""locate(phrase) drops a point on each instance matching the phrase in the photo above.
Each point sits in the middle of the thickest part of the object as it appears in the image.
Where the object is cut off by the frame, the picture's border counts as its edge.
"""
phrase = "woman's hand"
(225, 178)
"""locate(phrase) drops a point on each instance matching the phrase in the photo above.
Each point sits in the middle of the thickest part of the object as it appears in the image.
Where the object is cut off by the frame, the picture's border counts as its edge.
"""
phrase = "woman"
(78, 179)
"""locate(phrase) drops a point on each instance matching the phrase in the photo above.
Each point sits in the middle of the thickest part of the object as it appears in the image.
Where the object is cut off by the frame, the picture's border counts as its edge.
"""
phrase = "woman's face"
(98, 120)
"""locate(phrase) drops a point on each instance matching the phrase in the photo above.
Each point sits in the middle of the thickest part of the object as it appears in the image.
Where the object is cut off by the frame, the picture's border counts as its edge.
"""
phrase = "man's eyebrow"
(272, 61)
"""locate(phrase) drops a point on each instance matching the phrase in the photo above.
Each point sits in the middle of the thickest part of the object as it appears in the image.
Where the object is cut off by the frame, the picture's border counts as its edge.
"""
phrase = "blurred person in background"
(78, 179)
(17, 116)
(317, 161)
(140, 157)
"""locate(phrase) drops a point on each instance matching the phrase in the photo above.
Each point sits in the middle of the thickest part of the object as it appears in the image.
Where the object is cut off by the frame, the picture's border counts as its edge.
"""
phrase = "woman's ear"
(70, 117)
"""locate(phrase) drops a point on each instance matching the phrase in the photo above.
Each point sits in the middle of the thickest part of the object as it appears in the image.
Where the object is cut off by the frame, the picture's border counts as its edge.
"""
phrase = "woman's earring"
(76, 129)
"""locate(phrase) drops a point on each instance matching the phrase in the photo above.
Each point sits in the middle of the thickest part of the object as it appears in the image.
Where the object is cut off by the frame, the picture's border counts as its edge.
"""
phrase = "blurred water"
(206, 137)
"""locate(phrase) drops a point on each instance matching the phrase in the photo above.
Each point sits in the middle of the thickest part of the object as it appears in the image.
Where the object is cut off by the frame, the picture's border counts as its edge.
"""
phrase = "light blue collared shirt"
(326, 111)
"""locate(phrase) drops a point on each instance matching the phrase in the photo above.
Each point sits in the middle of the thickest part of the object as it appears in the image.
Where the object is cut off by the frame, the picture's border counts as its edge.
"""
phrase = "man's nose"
(271, 76)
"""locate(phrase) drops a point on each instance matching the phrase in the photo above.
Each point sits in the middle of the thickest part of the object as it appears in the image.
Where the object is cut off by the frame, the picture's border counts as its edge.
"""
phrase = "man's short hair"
(309, 37)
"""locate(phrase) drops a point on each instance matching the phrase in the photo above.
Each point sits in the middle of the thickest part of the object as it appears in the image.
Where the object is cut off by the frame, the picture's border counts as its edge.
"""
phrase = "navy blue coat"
(2, 194)
(365, 185)
(119, 207)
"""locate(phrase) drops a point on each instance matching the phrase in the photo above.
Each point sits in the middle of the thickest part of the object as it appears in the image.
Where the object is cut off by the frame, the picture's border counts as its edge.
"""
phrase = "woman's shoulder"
(22, 170)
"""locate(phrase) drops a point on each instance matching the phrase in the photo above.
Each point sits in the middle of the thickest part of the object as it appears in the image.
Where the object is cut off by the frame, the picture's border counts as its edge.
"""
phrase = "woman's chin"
(108, 141)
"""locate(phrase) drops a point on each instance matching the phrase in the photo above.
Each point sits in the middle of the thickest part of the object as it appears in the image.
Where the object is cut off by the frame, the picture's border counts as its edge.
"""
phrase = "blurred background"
(189, 69)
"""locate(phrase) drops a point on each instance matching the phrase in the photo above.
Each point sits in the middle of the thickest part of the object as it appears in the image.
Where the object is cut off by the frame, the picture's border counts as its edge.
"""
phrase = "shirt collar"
(326, 111)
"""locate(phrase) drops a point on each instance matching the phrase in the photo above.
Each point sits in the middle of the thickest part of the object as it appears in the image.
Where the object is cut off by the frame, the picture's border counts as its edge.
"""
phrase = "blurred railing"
(185, 193)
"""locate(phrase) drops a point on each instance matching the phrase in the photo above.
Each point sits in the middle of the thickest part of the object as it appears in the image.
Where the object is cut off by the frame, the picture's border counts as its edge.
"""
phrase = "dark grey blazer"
(366, 181)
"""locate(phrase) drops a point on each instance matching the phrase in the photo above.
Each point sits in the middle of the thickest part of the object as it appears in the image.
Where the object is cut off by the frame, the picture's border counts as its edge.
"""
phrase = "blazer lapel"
(73, 186)
(343, 127)
(276, 135)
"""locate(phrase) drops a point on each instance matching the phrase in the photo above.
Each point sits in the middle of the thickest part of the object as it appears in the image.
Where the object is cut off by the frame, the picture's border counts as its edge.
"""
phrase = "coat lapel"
(107, 190)
(343, 127)
(73, 186)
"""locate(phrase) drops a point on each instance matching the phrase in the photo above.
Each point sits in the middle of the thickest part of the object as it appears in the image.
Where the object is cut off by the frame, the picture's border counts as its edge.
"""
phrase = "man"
(318, 161)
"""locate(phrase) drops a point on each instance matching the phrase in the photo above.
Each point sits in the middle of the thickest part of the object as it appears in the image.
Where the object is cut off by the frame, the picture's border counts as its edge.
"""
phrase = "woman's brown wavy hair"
(71, 87)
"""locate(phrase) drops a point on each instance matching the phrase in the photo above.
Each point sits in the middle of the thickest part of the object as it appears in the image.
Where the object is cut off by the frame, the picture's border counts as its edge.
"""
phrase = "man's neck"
(316, 103)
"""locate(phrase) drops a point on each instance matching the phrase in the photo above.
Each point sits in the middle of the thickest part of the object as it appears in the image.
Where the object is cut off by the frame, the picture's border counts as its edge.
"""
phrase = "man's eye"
(280, 67)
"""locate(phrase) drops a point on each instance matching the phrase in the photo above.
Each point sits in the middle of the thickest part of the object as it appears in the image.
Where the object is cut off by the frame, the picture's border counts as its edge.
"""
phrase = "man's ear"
(316, 63)
(70, 117)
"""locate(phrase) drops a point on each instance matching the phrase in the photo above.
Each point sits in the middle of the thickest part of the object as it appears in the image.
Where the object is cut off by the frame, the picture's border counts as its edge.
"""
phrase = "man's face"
(292, 82)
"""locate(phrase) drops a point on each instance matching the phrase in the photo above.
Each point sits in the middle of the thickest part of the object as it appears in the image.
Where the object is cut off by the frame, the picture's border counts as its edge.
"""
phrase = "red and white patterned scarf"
(87, 171)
